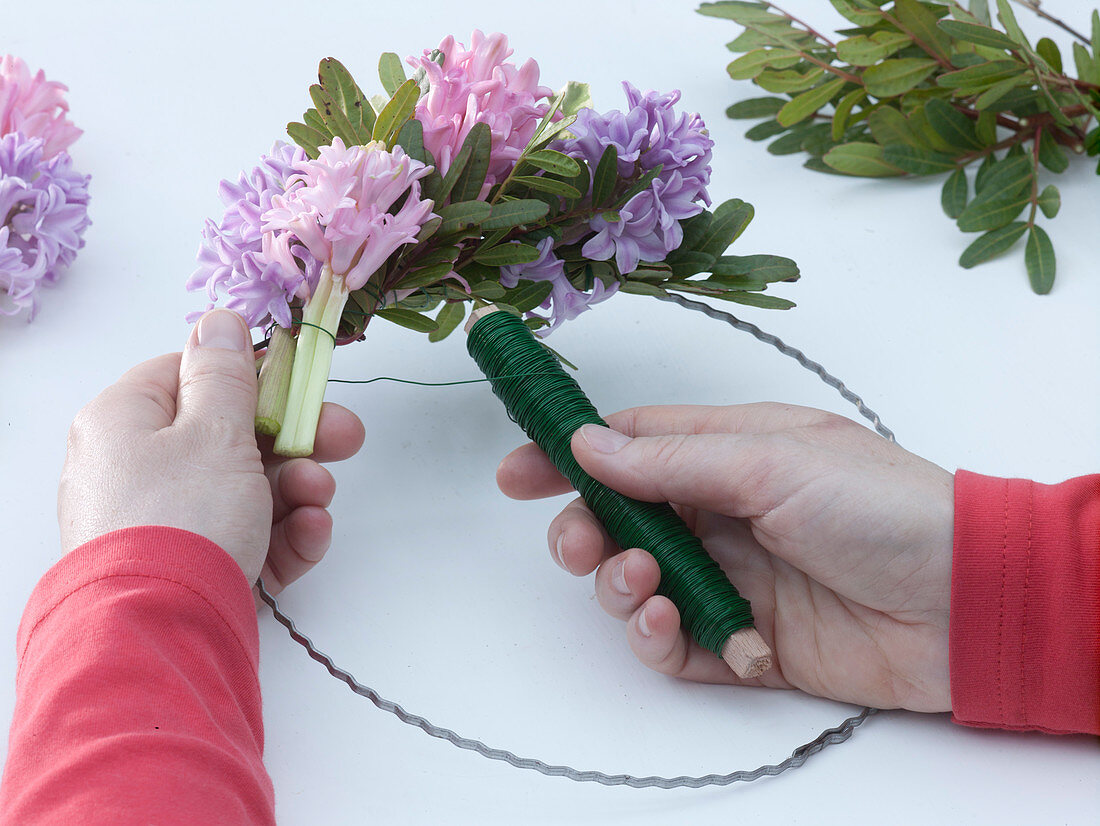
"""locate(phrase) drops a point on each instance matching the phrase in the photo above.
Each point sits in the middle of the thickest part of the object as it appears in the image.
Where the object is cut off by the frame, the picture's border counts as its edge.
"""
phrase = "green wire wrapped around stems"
(549, 405)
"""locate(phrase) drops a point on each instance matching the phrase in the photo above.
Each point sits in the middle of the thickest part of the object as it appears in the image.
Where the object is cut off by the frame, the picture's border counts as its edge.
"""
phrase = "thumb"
(217, 382)
(711, 471)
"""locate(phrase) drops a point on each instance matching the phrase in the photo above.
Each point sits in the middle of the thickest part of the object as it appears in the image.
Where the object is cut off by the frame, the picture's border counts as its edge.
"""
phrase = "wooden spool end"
(747, 653)
(479, 313)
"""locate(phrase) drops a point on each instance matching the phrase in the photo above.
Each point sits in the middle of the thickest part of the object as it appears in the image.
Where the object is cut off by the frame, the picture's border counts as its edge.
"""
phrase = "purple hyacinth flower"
(43, 216)
(648, 134)
(565, 301)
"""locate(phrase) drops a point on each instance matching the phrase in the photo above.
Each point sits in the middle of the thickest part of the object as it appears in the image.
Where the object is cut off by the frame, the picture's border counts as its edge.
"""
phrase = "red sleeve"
(1025, 604)
(137, 696)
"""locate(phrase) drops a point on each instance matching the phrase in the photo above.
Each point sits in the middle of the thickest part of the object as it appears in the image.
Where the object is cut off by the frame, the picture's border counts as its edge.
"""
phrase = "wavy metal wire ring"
(799, 756)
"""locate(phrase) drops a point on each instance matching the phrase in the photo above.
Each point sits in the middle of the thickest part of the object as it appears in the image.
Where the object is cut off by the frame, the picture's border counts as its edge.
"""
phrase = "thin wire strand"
(798, 757)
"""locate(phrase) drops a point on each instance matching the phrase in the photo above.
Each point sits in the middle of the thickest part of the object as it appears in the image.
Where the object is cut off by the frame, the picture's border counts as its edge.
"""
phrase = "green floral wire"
(549, 405)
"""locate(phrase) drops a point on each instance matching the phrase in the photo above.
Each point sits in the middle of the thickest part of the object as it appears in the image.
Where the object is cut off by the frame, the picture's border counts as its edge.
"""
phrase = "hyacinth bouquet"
(467, 182)
(43, 199)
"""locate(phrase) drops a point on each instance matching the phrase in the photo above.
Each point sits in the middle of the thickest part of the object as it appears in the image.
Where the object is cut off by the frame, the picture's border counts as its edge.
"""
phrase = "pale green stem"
(274, 382)
(308, 379)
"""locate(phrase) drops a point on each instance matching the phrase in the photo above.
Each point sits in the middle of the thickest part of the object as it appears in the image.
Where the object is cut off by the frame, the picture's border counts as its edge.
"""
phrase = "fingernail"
(557, 549)
(643, 626)
(603, 439)
(222, 329)
(618, 579)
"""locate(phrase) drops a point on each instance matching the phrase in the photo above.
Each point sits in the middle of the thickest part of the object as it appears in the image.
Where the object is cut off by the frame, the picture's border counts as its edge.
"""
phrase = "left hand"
(172, 443)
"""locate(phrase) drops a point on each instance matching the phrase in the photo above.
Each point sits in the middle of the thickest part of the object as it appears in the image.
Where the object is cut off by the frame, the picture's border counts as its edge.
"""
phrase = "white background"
(438, 591)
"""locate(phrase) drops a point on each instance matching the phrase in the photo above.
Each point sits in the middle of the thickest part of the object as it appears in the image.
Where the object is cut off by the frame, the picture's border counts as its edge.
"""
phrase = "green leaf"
(981, 35)
(333, 115)
(992, 244)
(391, 72)
(804, 105)
(308, 138)
(505, 254)
(766, 302)
(551, 185)
(1050, 201)
(764, 130)
(458, 165)
(574, 97)
(895, 77)
(954, 194)
(843, 112)
(857, 14)
(1088, 67)
(411, 139)
(489, 290)
(450, 316)
(729, 220)
(985, 128)
(341, 86)
(788, 144)
(999, 89)
(1048, 51)
(409, 319)
(862, 159)
(980, 76)
(917, 19)
(788, 80)
(606, 176)
(1039, 258)
(641, 288)
(471, 179)
(528, 294)
(553, 161)
(396, 112)
(992, 209)
(688, 263)
(1050, 153)
(951, 125)
(917, 161)
(753, 63)
(863, 50)
(764, 268)
(313, 119)
(888, 125)
(509, 214)
(426, 276)
(462, 216)
(1008, 20)
(764, 107)
(1012, 173)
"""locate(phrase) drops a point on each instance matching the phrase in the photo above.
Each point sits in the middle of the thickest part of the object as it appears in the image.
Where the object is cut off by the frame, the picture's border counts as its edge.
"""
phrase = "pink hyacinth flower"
(34, 106)
(478, 85)
(340, 210)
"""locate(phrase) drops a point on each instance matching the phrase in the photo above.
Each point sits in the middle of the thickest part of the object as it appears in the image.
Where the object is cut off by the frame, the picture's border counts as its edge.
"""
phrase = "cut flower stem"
(312, 361)
(274, 382)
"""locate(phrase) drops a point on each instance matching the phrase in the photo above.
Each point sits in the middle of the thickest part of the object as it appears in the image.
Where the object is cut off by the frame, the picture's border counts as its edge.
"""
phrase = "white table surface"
(438, 591)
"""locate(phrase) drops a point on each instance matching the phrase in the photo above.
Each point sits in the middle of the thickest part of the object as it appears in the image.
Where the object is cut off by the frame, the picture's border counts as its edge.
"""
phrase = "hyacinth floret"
(649, 133)
(257, 278)
(479, 85)
(338, 207)
(565, 301)
(43, 216)
(34, 106)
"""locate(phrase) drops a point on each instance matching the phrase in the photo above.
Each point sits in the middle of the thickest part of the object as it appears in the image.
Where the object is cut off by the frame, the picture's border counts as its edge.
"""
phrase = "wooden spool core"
(747, 653)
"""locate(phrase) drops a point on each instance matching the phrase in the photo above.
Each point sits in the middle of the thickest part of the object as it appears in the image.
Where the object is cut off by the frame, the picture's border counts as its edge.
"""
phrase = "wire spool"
(549, 405)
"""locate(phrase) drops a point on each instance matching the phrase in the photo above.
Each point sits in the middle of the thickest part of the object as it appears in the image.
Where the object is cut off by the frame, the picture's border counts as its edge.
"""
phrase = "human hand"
(840, 540)
(172, 443)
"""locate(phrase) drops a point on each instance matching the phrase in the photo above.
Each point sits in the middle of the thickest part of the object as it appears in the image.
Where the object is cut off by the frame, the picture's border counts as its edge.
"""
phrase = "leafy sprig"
(926, 88)
(458, 255)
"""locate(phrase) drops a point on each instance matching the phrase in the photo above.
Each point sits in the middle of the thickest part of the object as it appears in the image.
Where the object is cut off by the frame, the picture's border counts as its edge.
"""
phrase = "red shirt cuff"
(1025, 604)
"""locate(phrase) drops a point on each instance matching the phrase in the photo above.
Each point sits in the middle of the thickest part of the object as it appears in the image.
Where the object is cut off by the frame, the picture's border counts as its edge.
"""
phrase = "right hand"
(840, 540)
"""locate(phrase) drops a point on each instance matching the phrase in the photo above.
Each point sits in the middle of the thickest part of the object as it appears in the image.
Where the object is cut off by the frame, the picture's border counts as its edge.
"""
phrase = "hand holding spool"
(549, 406)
